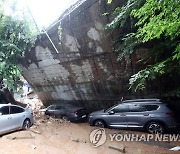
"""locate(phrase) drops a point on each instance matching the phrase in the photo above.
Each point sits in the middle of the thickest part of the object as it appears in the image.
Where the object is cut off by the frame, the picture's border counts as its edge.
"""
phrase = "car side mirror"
(111, 112)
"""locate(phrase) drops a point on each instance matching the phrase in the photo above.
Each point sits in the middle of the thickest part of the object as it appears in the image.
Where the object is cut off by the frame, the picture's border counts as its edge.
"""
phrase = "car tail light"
(170, 113)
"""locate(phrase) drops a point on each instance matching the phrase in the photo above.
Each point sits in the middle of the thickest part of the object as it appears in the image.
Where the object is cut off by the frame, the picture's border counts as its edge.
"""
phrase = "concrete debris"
(31, 94)
(33, 127)
(122, 150)
(16, 138)
(33, 147)
(75, 140)
(33, 135)
(32, 102)
(177, 148)
(139, 151)
(11, 137)
(78, 140)
(54, 119)
(35, 131)
(47, 119)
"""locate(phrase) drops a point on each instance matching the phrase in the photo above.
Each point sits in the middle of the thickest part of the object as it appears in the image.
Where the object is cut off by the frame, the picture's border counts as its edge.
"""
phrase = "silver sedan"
(13, 117)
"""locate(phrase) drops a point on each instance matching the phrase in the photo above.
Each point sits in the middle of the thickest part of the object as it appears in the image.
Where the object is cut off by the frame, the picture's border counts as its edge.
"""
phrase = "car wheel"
(65, 118)
(155, 128)
(99, 123)
(26, 124)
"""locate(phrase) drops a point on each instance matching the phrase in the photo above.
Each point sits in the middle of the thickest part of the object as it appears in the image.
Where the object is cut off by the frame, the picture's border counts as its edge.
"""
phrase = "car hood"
(43, 110)
(97, 112)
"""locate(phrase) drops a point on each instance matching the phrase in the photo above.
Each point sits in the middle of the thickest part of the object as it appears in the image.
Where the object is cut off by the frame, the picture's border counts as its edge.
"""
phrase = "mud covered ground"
(51, 136)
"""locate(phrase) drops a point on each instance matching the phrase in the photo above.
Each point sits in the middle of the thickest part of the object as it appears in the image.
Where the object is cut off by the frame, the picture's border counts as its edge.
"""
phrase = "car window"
(121, 108)
(16, 109)
(52, 107)
(137, 108)
(109, 108)
(4, 110)
(58, 107)
(151, 107)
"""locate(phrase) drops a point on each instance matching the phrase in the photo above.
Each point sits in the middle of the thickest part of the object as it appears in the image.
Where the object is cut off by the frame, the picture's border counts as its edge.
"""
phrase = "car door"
(5, 121)
(59, 111)
(137, 115)
(117, 116)
(17, 115)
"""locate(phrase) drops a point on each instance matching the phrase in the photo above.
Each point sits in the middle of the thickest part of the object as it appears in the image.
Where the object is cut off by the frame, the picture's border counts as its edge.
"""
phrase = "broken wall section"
(85, 69)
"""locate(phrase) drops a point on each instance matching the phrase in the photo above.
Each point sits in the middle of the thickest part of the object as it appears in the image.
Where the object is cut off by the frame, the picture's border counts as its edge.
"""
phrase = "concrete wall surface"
(85, 70)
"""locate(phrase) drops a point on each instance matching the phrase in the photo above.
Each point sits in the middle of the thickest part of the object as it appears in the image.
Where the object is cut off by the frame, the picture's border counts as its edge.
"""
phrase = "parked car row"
(151, 115)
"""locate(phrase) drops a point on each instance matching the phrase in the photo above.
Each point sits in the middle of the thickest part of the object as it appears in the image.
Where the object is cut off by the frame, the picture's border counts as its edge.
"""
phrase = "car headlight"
(90, 116)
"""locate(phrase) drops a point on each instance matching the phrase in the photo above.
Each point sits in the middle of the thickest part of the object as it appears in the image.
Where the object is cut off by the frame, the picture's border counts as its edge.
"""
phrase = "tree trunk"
(8, 98)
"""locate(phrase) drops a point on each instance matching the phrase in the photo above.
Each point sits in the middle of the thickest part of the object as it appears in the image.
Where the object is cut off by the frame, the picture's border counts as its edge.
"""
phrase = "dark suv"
(150, 114)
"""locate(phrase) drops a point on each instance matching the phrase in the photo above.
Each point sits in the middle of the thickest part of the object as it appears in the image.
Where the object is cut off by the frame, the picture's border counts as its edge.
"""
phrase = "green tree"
(17, 35)
(152, 23)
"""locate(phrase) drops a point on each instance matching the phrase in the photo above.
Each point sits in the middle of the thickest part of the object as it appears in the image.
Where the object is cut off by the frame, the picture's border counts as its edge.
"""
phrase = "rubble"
(177, 148)
(16, 138)
(20, 137)
(33, 147)
(122, 150)
(11, 137)
(78, 140)
(75, 140)
(35, 131)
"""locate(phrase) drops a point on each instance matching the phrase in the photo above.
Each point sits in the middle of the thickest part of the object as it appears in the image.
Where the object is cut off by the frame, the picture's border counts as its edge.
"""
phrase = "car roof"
(9, 104)
(69, 106)
(4, 105)
(142, 101)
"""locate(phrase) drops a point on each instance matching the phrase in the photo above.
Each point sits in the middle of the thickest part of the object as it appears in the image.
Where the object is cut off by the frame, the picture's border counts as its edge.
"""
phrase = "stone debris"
(46, 119)
(122, 150)
(177, 148)
(11, 137)
(35, 131)
(33, 135)
(139, 151)
(78, 140)
(33, 147)
(75, 140)
(55, 119)
(17, 138)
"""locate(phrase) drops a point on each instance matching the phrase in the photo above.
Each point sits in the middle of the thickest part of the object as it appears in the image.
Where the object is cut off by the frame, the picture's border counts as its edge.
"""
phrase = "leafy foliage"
(153, 23)
(16, 38)
(109, 1)
(157, 18)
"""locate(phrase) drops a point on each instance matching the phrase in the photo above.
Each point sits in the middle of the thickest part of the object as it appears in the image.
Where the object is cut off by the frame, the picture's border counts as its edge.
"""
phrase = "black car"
(66, 112)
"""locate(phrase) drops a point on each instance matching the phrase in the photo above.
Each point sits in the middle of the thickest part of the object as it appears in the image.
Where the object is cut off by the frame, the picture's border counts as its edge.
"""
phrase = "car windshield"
(109, 108)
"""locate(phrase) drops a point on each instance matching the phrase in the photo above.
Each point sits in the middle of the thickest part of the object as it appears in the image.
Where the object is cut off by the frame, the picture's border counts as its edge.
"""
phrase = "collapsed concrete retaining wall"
(85, 70)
